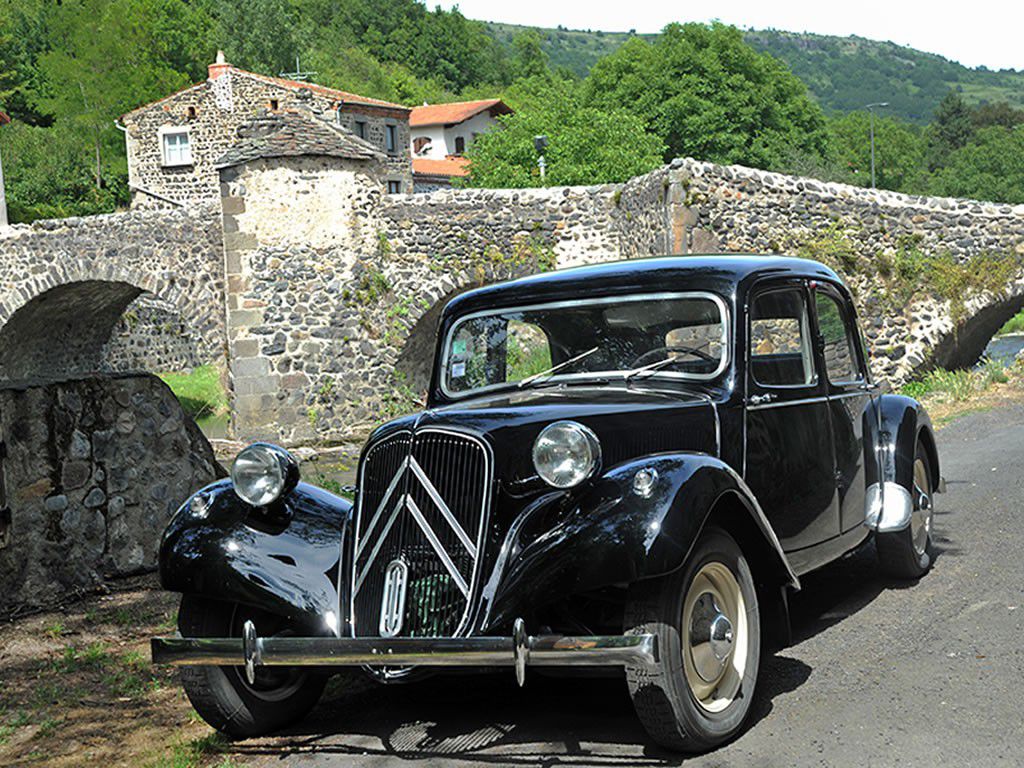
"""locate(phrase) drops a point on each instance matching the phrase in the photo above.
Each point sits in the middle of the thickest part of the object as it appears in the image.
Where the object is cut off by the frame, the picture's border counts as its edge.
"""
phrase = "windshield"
(675, 335)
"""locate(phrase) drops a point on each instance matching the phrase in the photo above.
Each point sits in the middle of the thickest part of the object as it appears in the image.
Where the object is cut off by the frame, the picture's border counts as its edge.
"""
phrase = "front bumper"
(518, 651)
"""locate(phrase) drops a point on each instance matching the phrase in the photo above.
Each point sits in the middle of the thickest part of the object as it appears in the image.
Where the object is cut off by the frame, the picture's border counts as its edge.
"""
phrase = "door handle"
(767, 397)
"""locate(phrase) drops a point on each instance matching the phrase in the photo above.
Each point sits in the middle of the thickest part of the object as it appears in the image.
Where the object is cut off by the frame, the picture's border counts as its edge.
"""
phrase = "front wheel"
(705, 616)
(223, 696)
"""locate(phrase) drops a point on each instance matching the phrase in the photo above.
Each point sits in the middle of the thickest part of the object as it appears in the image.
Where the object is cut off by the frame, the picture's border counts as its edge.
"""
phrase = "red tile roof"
(456, 112)
(450, 166)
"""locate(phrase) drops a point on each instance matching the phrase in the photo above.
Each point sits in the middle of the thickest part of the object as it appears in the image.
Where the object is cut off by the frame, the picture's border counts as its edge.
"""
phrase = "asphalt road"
(880, 674)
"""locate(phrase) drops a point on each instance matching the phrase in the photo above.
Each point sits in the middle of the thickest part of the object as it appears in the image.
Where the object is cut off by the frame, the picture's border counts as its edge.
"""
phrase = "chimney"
(219, 67)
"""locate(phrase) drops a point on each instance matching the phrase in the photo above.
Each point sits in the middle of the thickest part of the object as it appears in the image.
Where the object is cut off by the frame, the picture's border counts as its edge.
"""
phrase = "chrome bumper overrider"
(518, 651)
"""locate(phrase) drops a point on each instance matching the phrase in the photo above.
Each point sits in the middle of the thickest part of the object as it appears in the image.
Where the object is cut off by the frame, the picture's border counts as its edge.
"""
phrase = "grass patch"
(1014, 325)
(200, 392)
(192, 754)
(956, 386)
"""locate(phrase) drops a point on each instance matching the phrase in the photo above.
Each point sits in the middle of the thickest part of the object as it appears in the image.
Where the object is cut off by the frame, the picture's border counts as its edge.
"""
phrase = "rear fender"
(612, 535)
(895, 423)
(286, 562)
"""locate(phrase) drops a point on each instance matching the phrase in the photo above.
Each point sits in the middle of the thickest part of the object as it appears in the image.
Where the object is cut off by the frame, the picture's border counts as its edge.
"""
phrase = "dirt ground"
(77, 688)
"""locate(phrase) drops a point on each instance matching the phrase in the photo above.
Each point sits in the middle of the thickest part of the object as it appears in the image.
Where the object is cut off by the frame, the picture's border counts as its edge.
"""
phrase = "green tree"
(530, 59)
(951, 128)
(991, 167)
(707, 94)
(1000, 113)
(900, 150)
(587, 145)
(258, 34)
(106, 57)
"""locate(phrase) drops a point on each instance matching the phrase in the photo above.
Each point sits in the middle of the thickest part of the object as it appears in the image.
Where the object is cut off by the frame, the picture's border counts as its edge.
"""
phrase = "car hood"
(629, 422)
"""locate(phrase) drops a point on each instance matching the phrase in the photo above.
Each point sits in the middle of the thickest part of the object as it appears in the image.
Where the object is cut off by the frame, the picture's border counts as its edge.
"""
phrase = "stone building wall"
(91, 470)
(213, 111)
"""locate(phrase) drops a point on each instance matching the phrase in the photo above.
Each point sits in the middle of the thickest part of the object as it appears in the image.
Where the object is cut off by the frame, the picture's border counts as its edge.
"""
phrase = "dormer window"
(175, 146)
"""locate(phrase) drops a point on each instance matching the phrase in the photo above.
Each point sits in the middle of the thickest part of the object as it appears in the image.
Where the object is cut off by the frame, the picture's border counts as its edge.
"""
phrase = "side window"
(840, 355)
(780, 348)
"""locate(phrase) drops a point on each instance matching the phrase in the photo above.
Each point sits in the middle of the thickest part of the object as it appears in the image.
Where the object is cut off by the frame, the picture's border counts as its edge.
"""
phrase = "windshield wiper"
(555, 368)
(650, 367)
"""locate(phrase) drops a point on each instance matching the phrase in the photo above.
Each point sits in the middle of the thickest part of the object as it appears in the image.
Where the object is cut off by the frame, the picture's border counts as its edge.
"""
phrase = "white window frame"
(175, 130)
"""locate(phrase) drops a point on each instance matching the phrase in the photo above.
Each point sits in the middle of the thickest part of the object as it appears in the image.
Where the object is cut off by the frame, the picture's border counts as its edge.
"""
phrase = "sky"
(984, 33)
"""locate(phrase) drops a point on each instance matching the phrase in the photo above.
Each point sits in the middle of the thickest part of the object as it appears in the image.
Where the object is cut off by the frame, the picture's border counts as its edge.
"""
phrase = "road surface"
(880, 674)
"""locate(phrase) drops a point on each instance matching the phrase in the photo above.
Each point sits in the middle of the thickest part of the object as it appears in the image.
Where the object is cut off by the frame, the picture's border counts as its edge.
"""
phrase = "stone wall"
(213, 111)
(91, 470)
(65, 283)
(869, 237)
(152, 336)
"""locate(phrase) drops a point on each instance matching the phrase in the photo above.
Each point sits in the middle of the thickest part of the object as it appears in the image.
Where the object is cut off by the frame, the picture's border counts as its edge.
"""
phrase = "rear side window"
(840, 347)
(780, 348)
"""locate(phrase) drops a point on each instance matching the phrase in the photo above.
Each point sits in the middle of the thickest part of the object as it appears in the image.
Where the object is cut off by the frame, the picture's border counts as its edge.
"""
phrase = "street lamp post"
(871, 111)
(540, 143)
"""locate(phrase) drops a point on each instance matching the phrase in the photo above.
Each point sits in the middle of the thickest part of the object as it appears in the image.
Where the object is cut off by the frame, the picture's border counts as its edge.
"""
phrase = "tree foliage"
(586, 144)
(705, 93)
(989, 167)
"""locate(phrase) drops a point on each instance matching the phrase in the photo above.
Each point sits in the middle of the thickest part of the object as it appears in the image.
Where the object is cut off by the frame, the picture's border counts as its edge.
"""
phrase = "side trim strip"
(806, 400)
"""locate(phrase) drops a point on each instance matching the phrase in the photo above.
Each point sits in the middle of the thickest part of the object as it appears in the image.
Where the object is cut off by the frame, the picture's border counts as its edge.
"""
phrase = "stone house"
(440, 135)
(173, 144)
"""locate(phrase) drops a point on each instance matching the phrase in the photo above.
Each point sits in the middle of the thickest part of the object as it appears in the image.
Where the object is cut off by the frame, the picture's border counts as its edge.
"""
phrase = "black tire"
(897, 554)
(223, 696)
(662, 696)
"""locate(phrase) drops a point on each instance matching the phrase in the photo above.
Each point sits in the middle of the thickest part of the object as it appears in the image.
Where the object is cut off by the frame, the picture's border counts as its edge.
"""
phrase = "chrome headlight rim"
(584, 472)
(263, 473)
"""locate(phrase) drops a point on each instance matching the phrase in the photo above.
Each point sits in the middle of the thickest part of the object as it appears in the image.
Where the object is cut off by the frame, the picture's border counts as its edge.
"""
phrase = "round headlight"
(565, 454)
(262, 473)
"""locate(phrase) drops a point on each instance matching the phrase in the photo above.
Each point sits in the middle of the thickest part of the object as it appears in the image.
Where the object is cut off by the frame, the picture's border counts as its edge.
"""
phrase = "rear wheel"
(223, 696)
(705, 616)
(907, 554)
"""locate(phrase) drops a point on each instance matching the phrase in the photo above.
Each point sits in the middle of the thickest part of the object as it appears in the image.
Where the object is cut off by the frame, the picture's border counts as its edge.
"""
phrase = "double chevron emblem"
(390, 508)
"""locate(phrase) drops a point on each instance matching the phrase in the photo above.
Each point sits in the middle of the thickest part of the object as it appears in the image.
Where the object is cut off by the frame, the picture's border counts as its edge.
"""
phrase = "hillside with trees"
(612, 105)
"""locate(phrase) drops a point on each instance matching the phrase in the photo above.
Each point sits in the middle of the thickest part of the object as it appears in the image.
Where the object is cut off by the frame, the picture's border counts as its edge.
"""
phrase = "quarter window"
(780, 349)
(177, 149)
(839, 346)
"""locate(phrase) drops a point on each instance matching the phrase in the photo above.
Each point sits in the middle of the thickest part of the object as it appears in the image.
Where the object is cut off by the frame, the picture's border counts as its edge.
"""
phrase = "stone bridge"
(322, 294)
(66, 284)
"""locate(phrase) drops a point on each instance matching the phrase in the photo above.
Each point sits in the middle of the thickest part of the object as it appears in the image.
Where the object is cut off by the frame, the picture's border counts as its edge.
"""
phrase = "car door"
(849, 395)
(789, 462)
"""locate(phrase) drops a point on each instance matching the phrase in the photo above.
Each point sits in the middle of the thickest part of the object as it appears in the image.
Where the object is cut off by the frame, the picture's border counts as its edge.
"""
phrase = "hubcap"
(921, 518)
(715, 637)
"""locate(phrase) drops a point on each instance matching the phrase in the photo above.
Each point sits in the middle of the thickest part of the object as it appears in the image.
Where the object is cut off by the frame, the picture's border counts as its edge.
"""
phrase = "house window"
(273, 105)
(191, 113)
(177, 150)
(360, 128)
(460, 145)
(421, 144)
(394, 187)
(391, 138)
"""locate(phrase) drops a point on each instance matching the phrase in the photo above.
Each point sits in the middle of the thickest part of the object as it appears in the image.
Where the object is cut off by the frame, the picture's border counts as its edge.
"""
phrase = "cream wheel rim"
(714, 637)
(921, 517)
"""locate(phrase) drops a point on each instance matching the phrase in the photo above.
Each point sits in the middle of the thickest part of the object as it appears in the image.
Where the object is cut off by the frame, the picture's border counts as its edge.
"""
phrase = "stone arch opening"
(964, 347)
(415, 362)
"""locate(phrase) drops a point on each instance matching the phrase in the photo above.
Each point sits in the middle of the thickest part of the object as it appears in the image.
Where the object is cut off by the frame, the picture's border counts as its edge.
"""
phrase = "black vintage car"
(625, 465)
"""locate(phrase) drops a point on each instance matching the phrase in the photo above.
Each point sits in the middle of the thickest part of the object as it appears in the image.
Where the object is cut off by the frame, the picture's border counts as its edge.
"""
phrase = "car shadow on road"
(485, 719)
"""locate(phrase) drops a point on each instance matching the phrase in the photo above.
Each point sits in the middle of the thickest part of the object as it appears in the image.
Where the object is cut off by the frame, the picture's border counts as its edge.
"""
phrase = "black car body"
(761, 425)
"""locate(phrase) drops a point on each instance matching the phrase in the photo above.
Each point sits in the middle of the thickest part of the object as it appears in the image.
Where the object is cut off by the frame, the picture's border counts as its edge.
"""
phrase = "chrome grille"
(423, 500)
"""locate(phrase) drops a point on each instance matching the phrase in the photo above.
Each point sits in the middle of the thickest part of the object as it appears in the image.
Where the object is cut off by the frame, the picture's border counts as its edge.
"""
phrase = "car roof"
(719, 273)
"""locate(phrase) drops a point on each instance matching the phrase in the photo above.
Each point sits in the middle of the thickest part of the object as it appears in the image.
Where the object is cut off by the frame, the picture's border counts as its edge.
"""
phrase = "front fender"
(896, 423)
(611, 535)
(286, 564)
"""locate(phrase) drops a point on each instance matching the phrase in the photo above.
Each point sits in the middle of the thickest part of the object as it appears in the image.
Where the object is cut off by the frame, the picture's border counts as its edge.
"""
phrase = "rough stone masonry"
(91, 470)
